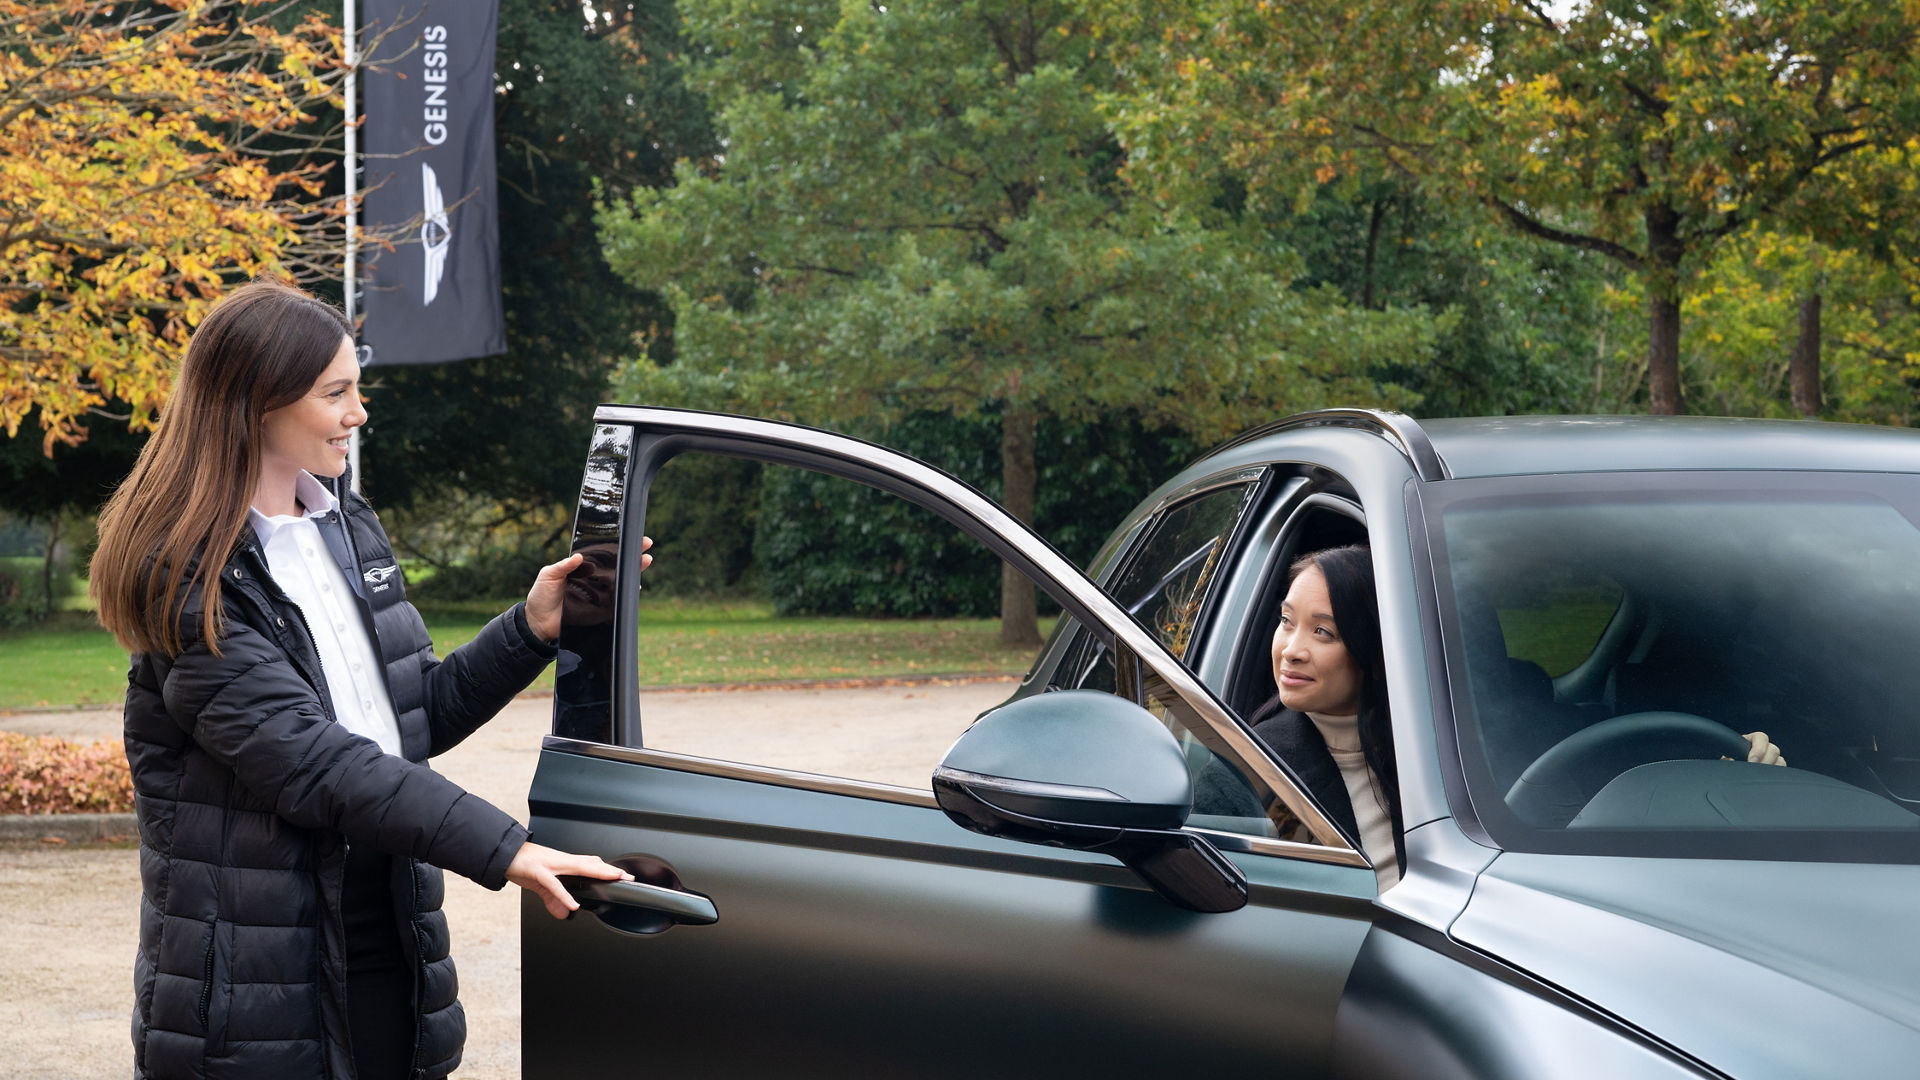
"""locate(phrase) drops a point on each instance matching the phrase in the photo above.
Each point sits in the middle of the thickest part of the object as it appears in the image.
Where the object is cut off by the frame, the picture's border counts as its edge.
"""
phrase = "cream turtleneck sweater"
(1342, 736)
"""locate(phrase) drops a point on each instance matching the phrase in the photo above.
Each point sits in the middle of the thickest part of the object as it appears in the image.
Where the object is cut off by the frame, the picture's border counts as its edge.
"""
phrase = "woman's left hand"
(1763, 751)
(547, 598)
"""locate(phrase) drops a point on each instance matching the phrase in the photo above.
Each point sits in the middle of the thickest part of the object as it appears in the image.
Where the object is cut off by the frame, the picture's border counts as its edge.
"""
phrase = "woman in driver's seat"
(1330, 720)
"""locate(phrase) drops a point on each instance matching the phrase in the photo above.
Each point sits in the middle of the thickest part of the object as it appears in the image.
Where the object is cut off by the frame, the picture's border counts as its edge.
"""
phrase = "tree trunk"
(1663, 356)
(1804, 368)
(1019, 614)
(1664, 252)
(46, 567)
(1373, 245)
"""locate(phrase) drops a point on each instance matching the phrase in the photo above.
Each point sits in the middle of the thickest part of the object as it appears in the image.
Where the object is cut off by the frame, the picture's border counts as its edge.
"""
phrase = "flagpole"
(350, 286)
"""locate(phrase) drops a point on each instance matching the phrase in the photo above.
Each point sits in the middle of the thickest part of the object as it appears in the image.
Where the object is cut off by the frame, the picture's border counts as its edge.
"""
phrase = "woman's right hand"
(538, 869)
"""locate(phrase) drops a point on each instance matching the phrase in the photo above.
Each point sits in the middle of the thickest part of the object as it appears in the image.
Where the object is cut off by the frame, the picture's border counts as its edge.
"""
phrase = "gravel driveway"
(67, 915)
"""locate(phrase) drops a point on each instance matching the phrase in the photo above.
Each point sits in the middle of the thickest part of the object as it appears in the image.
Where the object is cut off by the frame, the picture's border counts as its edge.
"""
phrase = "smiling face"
(1310, 660)
(311, 433)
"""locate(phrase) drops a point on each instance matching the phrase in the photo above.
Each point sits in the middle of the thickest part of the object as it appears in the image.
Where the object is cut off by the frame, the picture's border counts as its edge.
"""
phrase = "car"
(1580, 616)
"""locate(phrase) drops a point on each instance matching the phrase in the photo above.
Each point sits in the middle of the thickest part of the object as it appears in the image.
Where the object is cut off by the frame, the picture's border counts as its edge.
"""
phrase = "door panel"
(863, 937)
(860, 932)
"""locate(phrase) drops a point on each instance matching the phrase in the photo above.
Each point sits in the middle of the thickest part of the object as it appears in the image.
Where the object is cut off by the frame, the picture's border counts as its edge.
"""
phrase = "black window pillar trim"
(662, 433)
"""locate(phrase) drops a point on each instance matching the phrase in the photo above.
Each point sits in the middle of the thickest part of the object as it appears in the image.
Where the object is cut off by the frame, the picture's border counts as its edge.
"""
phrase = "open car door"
(794, 917)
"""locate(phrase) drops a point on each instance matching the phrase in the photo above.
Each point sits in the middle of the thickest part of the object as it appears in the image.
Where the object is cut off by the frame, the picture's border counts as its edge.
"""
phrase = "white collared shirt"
(303, 567)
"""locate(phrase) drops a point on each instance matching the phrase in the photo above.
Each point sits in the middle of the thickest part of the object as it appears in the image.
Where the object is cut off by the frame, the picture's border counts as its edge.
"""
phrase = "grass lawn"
(69, 661)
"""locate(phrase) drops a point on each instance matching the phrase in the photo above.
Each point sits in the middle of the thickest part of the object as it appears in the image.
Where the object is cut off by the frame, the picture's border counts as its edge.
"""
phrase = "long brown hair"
(183, 505)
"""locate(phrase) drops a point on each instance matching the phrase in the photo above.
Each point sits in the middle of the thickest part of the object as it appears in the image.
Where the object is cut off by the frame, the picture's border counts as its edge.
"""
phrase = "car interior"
(1613, 661)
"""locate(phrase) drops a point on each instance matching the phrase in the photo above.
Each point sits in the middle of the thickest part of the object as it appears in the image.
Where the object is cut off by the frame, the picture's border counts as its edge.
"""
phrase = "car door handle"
(679, 905)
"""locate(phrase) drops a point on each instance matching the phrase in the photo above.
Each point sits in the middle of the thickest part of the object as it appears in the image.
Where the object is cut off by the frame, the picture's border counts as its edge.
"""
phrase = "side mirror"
(1089, 771)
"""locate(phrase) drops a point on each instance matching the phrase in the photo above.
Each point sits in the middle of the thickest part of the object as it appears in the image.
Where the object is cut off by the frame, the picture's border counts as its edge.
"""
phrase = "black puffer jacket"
(248, 794)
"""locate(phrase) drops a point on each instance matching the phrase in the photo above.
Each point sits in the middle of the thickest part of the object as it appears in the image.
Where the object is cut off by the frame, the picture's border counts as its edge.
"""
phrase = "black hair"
(1356, 614)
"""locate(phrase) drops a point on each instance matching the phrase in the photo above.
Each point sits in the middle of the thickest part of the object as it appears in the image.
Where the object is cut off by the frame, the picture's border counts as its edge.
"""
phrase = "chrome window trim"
(893, 793)
(1246, 474)
(736, 770)
(1051, 565)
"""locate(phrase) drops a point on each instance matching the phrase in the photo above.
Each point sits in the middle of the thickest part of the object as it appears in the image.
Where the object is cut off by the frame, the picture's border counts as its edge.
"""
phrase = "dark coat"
(1296, 741)
(248, 794)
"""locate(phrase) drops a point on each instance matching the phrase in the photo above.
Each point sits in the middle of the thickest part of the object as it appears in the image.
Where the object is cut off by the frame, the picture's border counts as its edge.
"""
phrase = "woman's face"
(311, 433)
(1310, 661)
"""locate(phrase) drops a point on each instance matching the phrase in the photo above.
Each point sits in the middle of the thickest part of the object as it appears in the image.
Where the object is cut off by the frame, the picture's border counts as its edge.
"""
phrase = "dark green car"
(1579, 616)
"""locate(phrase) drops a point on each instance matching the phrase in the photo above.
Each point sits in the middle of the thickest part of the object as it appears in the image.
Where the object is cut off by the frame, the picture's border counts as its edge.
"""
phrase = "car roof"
(1535, 445)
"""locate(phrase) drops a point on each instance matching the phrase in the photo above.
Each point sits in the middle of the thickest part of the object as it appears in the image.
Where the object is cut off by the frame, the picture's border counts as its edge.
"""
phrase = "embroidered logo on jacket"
(376, 578)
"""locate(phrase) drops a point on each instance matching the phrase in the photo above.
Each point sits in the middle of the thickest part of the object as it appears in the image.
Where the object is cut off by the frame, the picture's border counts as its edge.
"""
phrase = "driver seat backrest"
(1529, 719)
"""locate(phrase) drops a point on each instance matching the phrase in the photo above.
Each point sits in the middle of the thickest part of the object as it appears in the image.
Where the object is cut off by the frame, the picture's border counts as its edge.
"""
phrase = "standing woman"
(282, 700)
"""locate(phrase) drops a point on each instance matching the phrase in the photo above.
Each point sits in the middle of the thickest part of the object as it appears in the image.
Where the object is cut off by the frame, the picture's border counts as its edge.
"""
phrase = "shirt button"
(324, 587)
(340, 627)
(309, 553)
(355, 665)
(367, 704)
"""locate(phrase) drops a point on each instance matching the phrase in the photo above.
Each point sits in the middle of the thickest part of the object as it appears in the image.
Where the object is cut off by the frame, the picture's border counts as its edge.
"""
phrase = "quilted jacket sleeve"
(478, 679)
(251, 711)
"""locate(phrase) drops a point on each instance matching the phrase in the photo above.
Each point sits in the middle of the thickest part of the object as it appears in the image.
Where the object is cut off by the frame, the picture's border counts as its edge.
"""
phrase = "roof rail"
(1397, 427)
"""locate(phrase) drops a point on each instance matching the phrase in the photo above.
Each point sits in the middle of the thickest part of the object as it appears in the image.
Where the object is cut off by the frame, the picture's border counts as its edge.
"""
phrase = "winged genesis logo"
(435, 235)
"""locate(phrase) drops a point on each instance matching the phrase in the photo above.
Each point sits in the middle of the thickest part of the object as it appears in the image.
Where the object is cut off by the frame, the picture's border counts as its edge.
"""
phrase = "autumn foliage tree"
(149, 154)
(1647, 132)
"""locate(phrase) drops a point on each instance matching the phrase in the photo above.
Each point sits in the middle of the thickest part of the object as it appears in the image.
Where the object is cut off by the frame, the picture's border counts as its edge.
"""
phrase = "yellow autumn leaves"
(148, 155)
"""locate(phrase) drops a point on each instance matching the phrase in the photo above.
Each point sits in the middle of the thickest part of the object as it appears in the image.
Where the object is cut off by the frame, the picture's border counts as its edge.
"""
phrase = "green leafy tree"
(1647, 133)
(1522, 323)
(1771, 302)
(920, 208)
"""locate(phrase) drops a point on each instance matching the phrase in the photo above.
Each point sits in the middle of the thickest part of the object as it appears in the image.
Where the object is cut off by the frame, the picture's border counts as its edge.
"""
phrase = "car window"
(847, 632)
(1554, 618)
(1776, 603)
(1166, 581)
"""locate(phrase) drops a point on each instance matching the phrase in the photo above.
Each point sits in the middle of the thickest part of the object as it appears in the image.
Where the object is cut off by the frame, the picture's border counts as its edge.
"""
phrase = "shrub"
(15, 607)
(41, 774)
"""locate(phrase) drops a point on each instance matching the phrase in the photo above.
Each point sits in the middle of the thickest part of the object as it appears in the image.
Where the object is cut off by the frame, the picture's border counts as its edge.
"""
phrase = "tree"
(1750, 350)
(1647, 133)
(1516, 317)
(149, 153)
(578, 103)
(920, 208)
(60, 488)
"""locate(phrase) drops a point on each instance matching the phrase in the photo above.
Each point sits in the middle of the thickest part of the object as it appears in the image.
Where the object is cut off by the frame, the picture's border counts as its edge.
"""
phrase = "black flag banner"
(427, 145)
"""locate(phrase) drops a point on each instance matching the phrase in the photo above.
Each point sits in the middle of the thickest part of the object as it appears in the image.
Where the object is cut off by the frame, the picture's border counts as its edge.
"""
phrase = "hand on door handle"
(676, 904)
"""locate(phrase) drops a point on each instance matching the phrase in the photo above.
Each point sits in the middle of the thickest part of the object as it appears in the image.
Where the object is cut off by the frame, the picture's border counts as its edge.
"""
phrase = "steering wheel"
(1572, 771)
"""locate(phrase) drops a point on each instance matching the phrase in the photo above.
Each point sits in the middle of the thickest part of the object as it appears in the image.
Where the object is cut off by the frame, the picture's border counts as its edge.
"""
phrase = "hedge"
(41, 774)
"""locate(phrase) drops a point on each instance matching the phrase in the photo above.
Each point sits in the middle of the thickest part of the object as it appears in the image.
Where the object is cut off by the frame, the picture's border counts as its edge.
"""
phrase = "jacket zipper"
(206, 980)
(326, 700)
(419, 970)
(365, 604)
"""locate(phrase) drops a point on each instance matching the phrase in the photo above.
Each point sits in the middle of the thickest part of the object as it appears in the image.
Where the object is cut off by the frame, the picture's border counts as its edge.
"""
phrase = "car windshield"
(1612, 637)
